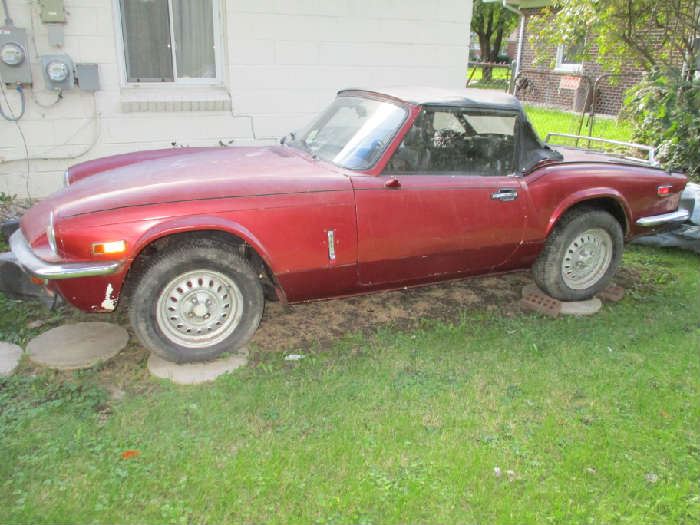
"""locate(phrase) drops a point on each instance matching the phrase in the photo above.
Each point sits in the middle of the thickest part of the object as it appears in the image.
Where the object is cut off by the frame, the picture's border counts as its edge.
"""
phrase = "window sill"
(170, 99)
(569, 69)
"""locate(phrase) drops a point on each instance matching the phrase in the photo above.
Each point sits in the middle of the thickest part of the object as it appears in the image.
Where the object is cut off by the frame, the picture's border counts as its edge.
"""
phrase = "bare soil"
(317, 324)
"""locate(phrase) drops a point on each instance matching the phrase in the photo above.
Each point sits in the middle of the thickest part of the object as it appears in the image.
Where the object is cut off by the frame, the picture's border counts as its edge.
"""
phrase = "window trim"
(566, 66)
(177, 82)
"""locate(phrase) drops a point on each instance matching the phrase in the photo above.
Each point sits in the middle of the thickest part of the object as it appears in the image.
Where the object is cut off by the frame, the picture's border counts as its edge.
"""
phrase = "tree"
(660, 36)
(491, 22)
(653, 34)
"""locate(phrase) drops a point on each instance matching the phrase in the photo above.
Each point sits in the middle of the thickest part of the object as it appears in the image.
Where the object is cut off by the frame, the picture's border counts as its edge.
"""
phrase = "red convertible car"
(384, 189)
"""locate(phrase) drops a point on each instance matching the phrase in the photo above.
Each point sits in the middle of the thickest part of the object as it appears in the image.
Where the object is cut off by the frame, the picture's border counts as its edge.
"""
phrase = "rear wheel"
(196, 301)
(580, 256)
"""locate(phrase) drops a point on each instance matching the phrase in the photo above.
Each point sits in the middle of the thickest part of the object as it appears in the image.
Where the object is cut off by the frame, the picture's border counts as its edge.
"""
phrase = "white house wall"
(282, 61)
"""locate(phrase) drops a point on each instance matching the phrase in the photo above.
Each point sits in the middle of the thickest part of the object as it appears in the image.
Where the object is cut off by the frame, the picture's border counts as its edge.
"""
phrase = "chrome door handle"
(505, 194)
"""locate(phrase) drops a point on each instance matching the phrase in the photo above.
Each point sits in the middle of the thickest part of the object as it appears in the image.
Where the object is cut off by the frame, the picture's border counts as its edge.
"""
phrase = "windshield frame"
(299, 144)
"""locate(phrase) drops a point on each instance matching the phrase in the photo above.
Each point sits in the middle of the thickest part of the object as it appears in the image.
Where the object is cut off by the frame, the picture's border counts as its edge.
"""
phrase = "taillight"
(664, 191)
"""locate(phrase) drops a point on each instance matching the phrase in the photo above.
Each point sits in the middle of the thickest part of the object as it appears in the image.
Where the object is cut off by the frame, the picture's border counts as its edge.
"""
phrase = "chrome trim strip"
(331, 245)
(657, 220)
(31, 264)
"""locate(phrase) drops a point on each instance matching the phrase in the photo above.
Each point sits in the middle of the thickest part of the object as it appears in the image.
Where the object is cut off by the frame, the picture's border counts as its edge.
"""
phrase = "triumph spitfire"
(384, 189)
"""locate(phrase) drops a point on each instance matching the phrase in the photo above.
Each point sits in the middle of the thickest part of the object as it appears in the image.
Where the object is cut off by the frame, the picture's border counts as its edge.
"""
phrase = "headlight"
(51, 235)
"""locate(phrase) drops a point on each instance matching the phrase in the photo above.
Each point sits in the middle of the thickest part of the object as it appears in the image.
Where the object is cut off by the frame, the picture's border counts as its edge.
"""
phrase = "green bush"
(665, 110)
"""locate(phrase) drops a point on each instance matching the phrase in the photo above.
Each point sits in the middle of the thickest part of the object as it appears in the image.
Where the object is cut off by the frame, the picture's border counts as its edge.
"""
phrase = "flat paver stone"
(589, 307)
(195, 373)
(79, 345)
(9, 358)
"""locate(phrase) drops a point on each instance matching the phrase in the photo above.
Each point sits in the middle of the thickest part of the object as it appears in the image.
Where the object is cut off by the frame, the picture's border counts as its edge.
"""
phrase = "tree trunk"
(485, 46)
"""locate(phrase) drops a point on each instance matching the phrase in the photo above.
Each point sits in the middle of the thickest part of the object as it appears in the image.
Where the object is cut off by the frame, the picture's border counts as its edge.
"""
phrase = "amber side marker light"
(108, 248)
(664, 191)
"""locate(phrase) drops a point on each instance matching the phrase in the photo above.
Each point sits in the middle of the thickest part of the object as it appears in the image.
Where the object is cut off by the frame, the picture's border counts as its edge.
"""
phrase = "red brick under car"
(383, 189)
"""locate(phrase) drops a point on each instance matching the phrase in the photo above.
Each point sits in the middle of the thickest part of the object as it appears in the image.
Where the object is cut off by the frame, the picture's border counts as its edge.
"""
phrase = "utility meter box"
(88, 77)
(14, 56)
(58, 72)
(52, 11)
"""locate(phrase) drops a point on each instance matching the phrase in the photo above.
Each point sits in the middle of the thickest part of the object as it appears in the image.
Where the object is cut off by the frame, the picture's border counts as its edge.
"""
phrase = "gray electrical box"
(14, 56)
(58, 72)
(55, 34)
(88, 77)
(52, 11)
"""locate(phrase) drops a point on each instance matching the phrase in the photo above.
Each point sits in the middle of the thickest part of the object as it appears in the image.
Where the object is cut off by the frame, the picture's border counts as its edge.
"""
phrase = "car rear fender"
(591, 195)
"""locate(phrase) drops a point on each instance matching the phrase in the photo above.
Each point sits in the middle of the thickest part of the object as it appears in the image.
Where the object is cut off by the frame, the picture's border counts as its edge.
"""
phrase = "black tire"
(197, 255)
(548, 269)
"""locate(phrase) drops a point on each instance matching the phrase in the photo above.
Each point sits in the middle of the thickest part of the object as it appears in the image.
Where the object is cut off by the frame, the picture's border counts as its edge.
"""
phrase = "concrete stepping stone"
(9, 358)
(589, 307)
(195, 373)
(79, 345)
(535, 299)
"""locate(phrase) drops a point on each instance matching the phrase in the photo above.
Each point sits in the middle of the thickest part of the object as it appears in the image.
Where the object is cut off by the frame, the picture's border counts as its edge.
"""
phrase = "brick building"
(561, 78)
(569, 82)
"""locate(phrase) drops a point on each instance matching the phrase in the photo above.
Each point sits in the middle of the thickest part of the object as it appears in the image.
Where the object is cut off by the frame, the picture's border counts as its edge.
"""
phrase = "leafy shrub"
(665, 110)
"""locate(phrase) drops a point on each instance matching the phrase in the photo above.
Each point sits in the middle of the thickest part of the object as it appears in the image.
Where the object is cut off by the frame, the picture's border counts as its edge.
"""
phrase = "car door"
(447, 202)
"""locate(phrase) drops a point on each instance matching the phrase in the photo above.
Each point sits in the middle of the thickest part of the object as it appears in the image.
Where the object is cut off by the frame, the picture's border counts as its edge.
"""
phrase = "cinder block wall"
(282, 62)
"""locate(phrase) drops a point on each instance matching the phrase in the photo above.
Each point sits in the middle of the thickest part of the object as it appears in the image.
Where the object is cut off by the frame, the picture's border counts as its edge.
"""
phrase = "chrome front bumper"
(36, 267)
(666, 218)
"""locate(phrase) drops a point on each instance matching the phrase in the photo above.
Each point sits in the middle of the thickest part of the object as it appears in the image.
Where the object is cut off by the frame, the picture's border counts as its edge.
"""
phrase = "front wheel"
(580, 256)
(196, 301)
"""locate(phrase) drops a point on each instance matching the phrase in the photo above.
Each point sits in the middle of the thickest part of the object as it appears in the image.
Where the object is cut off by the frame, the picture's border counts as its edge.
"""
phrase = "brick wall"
(544, 81)
(281, 63)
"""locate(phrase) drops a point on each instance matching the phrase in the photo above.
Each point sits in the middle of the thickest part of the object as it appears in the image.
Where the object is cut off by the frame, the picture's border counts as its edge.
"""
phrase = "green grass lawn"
(546, 120)
(587, 420)
(499, 78)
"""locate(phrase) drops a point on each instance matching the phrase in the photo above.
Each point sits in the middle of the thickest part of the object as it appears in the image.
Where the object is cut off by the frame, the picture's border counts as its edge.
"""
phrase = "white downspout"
(521, 35)
(519, 53)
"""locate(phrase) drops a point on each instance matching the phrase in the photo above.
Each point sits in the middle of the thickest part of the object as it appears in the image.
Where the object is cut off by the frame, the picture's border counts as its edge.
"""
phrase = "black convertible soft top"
(530, 148)
(431, 96)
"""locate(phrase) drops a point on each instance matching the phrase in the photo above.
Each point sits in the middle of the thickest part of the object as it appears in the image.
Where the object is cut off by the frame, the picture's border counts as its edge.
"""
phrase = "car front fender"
(194, 223)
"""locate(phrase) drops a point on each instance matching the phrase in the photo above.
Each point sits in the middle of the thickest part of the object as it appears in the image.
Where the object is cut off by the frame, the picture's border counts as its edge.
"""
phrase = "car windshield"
(352, 132)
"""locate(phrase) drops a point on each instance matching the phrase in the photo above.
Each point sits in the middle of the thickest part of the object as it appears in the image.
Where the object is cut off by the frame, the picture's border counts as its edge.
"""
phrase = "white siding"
(283, 60)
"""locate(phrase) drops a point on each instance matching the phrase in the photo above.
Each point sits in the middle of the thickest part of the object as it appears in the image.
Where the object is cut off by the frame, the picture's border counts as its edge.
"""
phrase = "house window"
(570, 58)
(170, 40)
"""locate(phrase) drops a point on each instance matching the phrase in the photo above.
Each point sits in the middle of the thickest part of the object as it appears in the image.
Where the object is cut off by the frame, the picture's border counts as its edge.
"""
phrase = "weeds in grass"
(493, 419)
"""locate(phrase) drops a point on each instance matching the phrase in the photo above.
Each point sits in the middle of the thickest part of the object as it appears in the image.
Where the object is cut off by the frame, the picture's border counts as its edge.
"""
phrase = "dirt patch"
(315, 326)
(318, 324)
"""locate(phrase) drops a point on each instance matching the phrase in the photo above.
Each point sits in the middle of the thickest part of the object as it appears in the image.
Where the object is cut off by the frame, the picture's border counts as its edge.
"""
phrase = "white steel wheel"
(587, 259)
(199, 308)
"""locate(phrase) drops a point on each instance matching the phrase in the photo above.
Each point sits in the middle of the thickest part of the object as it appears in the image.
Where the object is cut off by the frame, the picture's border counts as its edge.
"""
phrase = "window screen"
(146, 28)
(160, 50)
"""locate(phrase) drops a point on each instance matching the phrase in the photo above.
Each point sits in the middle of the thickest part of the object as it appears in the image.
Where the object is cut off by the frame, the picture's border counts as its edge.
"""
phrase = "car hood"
(209, 173)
